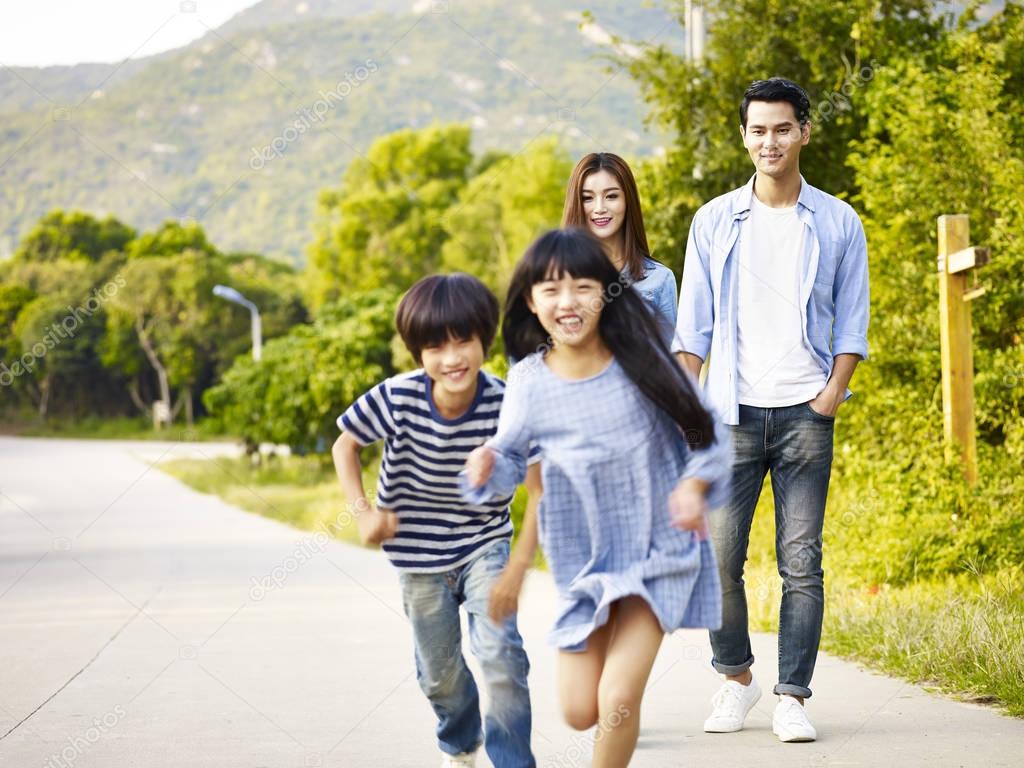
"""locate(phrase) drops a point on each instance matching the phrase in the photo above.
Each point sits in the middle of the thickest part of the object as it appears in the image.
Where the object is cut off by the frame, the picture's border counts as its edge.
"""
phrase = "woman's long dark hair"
(627, 326)
(633, 234)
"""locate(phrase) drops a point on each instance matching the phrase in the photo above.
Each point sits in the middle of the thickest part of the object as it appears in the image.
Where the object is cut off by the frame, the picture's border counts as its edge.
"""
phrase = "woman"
(602, 197)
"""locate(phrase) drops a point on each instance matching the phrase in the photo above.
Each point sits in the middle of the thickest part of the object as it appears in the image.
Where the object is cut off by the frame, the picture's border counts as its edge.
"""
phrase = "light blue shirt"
(833, 287)
(658, 286)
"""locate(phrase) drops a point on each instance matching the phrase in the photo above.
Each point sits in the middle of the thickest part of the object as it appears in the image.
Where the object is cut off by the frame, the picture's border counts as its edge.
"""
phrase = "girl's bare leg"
(628, 660)
(578, 678)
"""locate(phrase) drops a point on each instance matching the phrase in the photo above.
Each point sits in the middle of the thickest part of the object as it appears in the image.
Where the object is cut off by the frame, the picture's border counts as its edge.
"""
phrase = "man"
(775, 288)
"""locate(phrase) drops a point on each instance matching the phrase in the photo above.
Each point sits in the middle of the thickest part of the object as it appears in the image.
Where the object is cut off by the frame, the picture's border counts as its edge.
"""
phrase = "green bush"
(308, 377)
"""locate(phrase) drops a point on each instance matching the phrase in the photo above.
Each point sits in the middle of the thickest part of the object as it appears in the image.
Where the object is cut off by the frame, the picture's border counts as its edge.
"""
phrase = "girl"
(602, 197)
(632, 459)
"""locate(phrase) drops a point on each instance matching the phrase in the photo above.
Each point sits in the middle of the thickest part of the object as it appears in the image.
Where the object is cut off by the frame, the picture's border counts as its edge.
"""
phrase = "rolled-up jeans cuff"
(792, 690)
(732, 669)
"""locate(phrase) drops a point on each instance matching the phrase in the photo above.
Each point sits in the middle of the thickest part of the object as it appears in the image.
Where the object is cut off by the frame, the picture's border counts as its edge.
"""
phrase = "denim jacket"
(658, 287)
(833, 288)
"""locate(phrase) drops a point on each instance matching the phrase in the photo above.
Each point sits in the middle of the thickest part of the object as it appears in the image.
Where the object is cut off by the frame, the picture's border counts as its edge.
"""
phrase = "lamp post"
(230, 294)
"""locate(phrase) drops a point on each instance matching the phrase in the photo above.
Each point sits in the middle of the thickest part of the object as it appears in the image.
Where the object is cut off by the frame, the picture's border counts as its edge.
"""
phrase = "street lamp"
(235, 297)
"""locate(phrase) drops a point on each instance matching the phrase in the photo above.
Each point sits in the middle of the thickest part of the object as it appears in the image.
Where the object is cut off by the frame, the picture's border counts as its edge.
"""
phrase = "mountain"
(241, 129)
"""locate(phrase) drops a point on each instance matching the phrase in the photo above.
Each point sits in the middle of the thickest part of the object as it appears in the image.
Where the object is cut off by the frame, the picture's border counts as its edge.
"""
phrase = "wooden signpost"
(956, 260)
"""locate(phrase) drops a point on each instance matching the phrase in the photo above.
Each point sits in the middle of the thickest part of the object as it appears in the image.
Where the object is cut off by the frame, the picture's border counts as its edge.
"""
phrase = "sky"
(40, 33)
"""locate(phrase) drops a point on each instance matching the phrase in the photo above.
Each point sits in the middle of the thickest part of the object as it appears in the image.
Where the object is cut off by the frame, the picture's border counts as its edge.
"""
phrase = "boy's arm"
(504, 600)
(374, 525)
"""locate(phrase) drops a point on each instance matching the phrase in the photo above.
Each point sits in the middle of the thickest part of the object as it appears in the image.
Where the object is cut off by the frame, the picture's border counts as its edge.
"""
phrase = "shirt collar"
(742, 201)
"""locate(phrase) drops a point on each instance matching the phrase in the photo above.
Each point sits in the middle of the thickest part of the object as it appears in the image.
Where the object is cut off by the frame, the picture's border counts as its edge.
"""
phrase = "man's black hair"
(777, 89)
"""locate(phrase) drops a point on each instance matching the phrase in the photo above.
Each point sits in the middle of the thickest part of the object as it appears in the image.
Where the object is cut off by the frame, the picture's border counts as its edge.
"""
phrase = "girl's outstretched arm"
(505, 593)
(498, 466)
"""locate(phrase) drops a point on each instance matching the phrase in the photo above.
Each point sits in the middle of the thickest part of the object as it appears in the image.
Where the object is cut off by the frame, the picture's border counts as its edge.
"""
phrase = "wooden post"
(956, 260)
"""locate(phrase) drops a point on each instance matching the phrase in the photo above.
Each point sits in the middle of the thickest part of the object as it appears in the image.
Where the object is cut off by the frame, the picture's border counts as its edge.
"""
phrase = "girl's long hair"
(627, 326)
(634, 236)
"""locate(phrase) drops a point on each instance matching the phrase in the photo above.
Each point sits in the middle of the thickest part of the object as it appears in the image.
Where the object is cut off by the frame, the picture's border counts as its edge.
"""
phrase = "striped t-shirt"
(419, 474)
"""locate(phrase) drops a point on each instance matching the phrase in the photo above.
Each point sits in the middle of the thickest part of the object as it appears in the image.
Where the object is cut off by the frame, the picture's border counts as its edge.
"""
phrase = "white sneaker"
(733, 703)
(461, 760)
(790, 721)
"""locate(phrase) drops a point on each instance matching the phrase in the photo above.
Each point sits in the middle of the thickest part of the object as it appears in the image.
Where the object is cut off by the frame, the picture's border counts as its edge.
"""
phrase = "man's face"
(773, 137)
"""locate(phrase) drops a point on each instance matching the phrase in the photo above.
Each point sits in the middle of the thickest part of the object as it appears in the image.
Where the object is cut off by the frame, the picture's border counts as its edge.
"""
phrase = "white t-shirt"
(775, 367)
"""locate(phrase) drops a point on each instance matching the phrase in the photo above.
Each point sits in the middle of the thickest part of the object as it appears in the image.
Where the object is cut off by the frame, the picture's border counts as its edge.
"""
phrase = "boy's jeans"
(432, 603)
(795, 445)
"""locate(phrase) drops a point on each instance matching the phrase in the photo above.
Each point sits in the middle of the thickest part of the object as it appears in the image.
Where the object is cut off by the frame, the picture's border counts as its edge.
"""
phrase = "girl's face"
(604, 204)
(568, 308)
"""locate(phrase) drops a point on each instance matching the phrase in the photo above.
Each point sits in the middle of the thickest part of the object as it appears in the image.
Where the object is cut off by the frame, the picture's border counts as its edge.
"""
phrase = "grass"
(123, 428)
(962, 635)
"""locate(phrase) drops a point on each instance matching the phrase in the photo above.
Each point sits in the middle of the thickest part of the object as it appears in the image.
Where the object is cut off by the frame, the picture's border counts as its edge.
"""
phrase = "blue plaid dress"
(610, 459)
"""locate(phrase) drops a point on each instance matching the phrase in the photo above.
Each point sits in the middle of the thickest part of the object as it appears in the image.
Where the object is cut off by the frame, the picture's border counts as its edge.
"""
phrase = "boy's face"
(453, 365)
(773, 137)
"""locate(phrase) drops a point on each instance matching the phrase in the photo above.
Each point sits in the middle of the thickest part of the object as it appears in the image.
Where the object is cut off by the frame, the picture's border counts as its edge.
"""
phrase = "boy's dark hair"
(777, 89)
(440, 307)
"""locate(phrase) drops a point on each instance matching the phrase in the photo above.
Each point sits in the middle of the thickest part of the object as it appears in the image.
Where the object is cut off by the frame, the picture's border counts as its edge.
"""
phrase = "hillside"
(178, 135)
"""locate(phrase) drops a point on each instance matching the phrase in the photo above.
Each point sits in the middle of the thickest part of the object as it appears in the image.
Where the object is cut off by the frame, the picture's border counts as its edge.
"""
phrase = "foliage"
(73, 235)
(943, 136)
(71, 308)
(502, 210)
(308, 377)
(833, 50)
(383, 226)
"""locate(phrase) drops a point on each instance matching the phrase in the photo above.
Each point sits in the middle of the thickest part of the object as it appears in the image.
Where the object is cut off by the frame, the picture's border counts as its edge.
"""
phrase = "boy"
(448, 553)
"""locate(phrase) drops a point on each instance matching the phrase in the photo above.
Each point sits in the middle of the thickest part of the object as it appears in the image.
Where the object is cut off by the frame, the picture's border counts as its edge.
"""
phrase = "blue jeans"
(795, 445)
(432, 603)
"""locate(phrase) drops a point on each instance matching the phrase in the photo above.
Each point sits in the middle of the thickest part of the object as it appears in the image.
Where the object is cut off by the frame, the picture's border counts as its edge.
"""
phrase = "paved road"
(140, 626)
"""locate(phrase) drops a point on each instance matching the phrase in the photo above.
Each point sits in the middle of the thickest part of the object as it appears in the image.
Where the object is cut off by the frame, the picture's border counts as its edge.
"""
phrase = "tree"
(168, 306)
(503, 209)
(833, 50)
(13, 299)
(308, 377)
(73, 235)
(944, 136)
(383, 226)
(58, 347)
(169, 239)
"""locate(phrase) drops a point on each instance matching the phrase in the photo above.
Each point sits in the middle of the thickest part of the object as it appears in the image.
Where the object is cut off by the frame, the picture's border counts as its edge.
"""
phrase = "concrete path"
(144, 624)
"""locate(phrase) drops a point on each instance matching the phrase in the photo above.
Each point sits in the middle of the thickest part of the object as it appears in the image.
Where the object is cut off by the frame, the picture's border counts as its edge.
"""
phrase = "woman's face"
(604, 204)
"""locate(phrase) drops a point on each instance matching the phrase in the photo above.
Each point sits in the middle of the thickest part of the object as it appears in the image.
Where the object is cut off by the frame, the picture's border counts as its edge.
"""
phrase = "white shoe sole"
(721, 729)
(791, 738)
